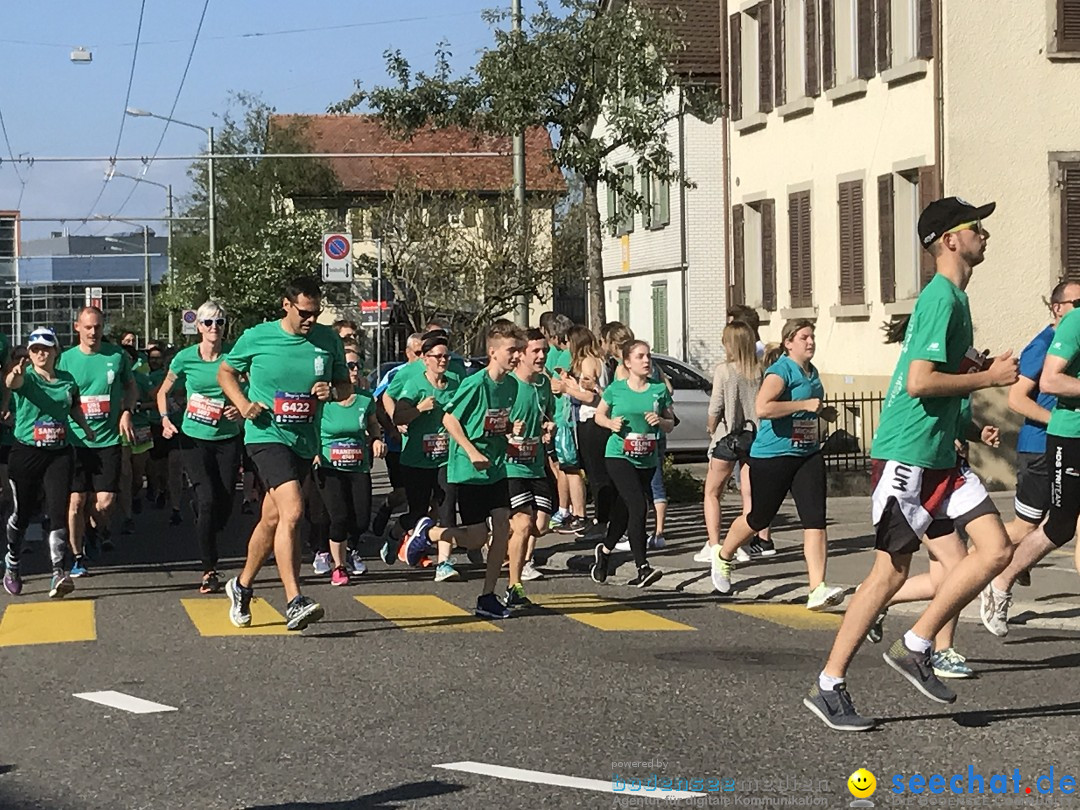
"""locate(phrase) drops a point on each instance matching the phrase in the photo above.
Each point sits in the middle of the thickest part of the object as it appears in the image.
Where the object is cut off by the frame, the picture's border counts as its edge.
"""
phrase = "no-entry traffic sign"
(337, 257)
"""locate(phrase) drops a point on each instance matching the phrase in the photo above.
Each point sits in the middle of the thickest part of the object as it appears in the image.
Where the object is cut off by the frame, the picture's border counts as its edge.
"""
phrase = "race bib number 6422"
(294, 409)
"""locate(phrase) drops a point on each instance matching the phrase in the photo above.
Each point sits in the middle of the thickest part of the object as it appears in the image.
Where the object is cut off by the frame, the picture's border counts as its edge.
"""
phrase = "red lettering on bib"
(496, 422)
(436, 445)
(639, 445)
(49, 434)
(204, 410)
(346, 454)
(95, 407)
(294, 409)
(804, 432)
(521, 450)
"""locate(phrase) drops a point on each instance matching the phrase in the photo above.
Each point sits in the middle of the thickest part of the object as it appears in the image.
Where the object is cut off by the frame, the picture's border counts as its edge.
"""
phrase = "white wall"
(641, 306)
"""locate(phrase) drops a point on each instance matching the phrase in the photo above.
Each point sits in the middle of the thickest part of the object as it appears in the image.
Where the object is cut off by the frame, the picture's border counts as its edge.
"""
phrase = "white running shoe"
(623, 545)
(705, 555)
(824, 596)
(742, 555)
(530, 572)
(721, 571)
(356, 565)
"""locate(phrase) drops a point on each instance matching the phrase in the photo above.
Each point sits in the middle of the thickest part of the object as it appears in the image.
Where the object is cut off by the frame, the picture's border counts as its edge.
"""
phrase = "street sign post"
(187, 320)
(337, 257)
(94, 297)
(374, 313)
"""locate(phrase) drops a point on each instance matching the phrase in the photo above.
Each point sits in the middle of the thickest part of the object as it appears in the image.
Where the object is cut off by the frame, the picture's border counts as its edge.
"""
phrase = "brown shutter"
(886, 238)
(828, 45)
(802, 286)
(737, 292)
(1068, 25)
(865, 36)
(804, 237)
(884, 35)
(768, 255)
(813, 49)
(765, 57)
(735, 91)
(926, 29)
(852, 255)
(780, 51)
(928, 192)
(1070, 222)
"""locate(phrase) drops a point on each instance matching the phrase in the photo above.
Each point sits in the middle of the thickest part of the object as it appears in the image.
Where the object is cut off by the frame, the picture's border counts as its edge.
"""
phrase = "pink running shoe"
(339, 576)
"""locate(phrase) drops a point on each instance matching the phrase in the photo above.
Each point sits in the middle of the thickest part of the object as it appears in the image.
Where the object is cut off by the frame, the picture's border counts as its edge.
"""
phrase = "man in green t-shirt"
(107, 397)
(916, 472)
(293, 366)
(556, 328)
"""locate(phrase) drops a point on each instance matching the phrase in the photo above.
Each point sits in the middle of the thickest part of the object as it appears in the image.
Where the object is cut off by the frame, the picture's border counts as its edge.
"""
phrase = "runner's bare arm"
(614, 424)
(229, 380)
(769, 405)
(1054, 379)
(1022, 401)
(924, 379)
(163, 395)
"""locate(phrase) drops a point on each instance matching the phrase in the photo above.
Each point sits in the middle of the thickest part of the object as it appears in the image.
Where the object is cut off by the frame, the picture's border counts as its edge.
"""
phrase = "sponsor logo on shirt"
(933, 347)
(320, 365)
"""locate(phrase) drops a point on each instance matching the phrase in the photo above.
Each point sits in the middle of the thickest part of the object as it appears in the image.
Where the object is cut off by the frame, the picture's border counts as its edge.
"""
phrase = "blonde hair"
(210, 309)
(792, 328)
(773, 352)
(740, 347)
(583, 345)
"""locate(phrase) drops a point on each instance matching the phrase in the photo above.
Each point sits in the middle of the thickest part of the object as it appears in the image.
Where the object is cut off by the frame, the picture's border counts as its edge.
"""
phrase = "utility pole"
(169, 270)
(523, 302)
(211, 212)
(146, 284)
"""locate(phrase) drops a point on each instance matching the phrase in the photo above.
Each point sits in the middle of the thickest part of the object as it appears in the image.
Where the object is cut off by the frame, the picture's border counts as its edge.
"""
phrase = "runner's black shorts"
(531, 493)
(394, 471)
(1032, 500)
(772, 478)
(476, 502)
(97, 469)
(1063, 466)
(277, 464)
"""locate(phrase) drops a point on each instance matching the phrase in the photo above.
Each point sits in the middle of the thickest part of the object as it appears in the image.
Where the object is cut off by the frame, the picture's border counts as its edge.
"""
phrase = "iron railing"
(846, 442)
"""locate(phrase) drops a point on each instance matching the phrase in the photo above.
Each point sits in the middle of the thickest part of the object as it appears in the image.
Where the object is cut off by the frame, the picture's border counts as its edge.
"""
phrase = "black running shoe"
(598, 572)
(877, 631)
(836, 710)
(918, 668)
(382, 518)
(646, 575)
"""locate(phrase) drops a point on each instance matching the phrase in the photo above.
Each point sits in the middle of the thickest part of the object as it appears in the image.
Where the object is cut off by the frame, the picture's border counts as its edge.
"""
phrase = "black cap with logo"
(942, 216)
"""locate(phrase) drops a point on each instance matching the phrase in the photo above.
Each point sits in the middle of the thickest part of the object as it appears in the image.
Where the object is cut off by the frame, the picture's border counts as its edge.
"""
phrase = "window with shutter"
(852, 255)
(884, 35)
(737, 287)
(624, 212)
(887, 238)
(828, 44)
(928, 192)
(813, 49)
(646, 196)
(1068, 25)
(768, 254)
(612, 210)
(765, 56)
(1070, 221)
(659, 317)
(802, 284)
(865, 37)
(736, 81)
(624, 305)
(661, 195)
(925, 48)
(780, 50)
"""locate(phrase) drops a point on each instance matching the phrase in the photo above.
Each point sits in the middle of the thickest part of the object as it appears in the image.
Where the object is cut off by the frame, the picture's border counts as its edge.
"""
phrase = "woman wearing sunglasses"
(209, 434)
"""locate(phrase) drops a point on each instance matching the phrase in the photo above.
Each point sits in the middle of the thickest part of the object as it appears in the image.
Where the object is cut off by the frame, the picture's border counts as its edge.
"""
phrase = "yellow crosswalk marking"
(605, 614)
(211, 618)
(795, 616)
(424, 613)
(48, 623)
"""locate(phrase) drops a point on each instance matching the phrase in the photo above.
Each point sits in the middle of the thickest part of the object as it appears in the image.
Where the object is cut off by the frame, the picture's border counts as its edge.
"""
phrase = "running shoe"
(572, 525)
(742, 555)
(656, 542)
(488, 606)
(877, 630)
(598, 572)
(12, 580)
(210, 583)
(322, 564)
(516, 598)
(824, 596)
(704, 555)
(836, 710)
(79, 569)
(721, 571)
(356, 564)
(476, 556)
(557, 520)
(530, 572)
(592, 531)
(623, 544)
(382, 517)
(916, 667)
(419, 544)
(445, 572)
(128, 526)
(948, 663)
(60, 585)
(175, 519)
(388, 554)
(302, 611)
(646, 575)
(239, 603)
(339, 576)
(994, 610)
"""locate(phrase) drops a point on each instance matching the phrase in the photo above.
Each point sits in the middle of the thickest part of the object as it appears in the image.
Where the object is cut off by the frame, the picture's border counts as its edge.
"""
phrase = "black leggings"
(772, 478)
(40, 477)
(592, 444)
(633, 494)
(1062, 456)
(346, 497)
(421, 484)
(212, 468)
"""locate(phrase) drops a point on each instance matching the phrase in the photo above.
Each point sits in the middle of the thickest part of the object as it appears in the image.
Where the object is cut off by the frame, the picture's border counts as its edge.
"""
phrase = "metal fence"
(846, 442)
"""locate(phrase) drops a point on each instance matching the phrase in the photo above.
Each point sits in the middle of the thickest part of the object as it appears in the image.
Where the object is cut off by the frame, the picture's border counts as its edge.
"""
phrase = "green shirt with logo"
(426, 444)
(343, 431)
(101, 378)
(43, 409)
(483, 408)
(204, 415)
(534, 405)
(638, 442)
(1065, 417)
(282, 369)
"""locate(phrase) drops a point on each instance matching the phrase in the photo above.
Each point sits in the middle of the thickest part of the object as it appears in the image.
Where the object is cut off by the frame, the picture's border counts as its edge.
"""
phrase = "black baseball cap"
(942, 216)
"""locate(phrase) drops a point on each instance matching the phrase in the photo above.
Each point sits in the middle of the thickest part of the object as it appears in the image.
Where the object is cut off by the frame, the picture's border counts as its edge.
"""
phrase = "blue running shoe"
(419, 544)
(79, 569)
(488, 606)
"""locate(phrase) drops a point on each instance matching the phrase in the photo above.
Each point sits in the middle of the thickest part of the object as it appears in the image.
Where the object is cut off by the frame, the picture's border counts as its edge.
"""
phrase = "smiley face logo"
(862, 784)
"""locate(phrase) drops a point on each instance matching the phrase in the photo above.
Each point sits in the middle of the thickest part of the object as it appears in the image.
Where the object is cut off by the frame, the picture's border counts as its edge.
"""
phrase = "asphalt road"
(359, 712)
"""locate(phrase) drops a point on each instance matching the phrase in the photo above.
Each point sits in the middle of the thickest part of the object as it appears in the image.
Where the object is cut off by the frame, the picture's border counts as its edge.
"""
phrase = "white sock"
(916, 643)
(998, 594)
(827, 683)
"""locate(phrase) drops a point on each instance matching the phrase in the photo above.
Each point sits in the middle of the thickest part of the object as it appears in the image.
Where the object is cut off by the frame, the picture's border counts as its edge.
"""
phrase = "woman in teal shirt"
(786, 457)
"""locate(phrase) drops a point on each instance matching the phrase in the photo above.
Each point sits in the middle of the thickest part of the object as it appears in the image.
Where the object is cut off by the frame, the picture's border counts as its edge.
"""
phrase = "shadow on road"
(388, 799)
(986, 717)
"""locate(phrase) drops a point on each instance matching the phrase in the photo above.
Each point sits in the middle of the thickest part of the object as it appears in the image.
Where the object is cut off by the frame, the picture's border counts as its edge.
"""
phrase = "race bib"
(804, 432)
(522, 450)
(496, 422)
(294, 409)
(95, 407)
(346, 454)
(436, 445)
(974, 361)
(204, 410)
(143, 435)
(49, 434)
(639, 445)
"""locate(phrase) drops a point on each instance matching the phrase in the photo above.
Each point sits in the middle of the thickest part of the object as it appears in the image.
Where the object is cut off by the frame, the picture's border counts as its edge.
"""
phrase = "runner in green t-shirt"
(41, 460)
(570, 483)
(293, 366)
(917, 475)
(478, 421)
(107, 396)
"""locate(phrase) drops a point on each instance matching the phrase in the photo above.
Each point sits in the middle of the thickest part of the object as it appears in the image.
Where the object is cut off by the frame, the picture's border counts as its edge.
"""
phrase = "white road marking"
(542, 778)
(127, 703)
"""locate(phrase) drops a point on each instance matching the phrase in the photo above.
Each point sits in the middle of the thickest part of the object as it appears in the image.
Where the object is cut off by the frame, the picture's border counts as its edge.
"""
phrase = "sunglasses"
(352, 365)
(975, 226)
(218, 322)
(440, 356)
(306, 314)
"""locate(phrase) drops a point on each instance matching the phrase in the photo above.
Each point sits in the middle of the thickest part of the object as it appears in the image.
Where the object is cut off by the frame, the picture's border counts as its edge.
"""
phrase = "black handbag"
(740, 440)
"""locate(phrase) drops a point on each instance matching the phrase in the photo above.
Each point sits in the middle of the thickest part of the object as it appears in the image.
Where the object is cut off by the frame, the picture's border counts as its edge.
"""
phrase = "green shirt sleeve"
(1066, 342)
(929, 331)
(242, 353)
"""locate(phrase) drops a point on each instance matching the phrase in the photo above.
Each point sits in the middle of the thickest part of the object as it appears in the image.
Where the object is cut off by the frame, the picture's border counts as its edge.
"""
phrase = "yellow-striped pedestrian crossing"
(211, 618)
(48, 623)
(606, 614)
(795, 616)
(424, 613)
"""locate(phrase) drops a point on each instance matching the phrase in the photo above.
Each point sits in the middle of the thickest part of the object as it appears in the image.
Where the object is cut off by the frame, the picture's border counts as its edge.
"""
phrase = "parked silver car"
(692, 389)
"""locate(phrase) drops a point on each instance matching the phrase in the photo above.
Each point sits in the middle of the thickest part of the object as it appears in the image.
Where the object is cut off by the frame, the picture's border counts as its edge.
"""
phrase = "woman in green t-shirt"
(636, 411)
(41, 462)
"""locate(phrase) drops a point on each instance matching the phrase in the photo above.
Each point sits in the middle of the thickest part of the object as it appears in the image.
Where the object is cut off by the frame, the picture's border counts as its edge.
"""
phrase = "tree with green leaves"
(597, 74)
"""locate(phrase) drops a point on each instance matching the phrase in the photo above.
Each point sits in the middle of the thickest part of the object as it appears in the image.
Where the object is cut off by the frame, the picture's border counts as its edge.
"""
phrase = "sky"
(54, 107)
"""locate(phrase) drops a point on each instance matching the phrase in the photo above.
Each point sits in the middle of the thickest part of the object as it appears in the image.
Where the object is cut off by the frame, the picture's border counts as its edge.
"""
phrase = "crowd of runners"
(489, 461)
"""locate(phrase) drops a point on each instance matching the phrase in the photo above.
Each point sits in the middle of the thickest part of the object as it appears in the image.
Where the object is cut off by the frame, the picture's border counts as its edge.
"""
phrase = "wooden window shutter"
(660, 318)
(802, 285)
(813, 50)
(828, 45)
(852, 255)
(926, 29)
(887, 238)
(864, 37)
(1068, 25)
(884, 35)
(663, 205)
(765, 57)
(737, 291)
(928, 192)
(735, 90)
(626, 213)
(768, 255)
(1070, 221)
(612, 209)
(647, 209)
(807, 292)
(780, 51)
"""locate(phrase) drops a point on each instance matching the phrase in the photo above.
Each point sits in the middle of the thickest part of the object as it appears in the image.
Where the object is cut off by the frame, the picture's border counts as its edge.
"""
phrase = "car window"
(682, 378)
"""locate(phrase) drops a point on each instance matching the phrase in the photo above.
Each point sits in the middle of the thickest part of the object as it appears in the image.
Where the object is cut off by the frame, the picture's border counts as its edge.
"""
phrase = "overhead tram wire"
(14, 162)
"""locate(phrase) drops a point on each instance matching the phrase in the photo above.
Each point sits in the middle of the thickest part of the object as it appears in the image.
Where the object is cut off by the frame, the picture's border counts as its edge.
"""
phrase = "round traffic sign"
(336, 246)
(189, 316)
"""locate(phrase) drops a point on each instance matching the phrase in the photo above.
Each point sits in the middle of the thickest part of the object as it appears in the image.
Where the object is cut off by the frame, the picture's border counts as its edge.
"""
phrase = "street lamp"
(139, 113)
(146, 270)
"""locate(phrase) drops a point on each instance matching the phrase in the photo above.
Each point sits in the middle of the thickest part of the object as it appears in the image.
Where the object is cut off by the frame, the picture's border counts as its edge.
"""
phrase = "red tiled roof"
(365, 133)
(701, 31)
